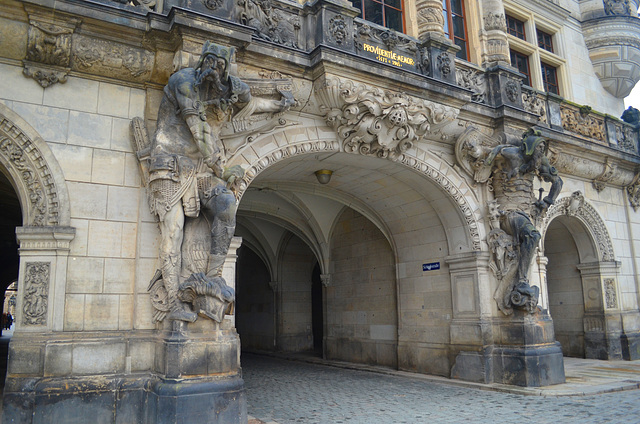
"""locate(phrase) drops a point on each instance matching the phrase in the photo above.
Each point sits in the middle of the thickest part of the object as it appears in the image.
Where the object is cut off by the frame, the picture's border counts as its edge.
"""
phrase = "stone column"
(496, 49)
(229, 271)
(430, 18)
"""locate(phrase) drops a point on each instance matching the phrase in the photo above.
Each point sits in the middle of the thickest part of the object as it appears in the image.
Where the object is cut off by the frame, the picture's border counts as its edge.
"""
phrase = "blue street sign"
(430, 267)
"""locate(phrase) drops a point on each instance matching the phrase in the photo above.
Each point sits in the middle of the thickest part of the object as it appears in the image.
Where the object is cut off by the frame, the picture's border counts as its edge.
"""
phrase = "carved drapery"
(382, 123)
(576, 206)
(36, 293)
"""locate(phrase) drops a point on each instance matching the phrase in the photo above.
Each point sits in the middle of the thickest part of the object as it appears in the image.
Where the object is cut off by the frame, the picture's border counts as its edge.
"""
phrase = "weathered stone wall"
(361, 300)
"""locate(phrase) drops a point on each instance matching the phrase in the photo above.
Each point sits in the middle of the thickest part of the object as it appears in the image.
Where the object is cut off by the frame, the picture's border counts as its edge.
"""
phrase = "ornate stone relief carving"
(606, 176)
(48, 51)
(474, 80)
(495, 21)
(36, 293)
(511, 90)
(534, 104)
(22, 158)
(581, 121)
(430, 17)
(627, 138)
(444, 63)
(338, 29)
(270, 23)
(381, 123)
(213, 4)
(111, 59)
(424, 64)
(610, 293)
(577, 206)
(325, 279)
(618, 7)
(633, 192)
(145, 4)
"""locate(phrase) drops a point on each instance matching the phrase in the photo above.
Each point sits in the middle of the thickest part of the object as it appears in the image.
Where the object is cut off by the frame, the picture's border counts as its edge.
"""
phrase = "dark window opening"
(520, 61)
(387, 13)
(550, 78)
(455, 27)
(515, 27)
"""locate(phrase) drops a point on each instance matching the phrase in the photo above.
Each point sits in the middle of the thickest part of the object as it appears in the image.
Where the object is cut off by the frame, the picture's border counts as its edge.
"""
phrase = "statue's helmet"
(530, 141)
(222, 52)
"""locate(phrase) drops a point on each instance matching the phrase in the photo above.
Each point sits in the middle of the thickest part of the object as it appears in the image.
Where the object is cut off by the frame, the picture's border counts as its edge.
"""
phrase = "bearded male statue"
(190, 189)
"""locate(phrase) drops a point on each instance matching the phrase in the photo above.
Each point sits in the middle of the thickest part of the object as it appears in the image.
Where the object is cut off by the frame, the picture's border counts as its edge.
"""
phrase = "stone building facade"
(389, 262)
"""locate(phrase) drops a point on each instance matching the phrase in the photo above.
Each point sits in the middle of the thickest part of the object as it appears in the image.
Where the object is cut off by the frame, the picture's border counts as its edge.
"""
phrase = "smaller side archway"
(579, 275)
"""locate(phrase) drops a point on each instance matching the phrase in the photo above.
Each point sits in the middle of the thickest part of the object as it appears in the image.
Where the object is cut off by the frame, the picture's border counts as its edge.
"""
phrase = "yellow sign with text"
(389, 57)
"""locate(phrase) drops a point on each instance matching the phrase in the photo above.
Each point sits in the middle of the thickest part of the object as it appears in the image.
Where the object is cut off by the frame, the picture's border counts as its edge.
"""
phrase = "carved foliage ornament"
(473, 80)
(22, 158)
(36, 293)
(110, 58)
(381, 123)
(627, 138)
(633, 192)
(534, 104)
(581, 121)
(610, 295)
(495, 21)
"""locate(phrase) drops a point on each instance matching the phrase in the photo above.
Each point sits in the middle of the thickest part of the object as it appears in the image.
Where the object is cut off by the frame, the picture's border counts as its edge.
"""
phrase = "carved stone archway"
(45, 236)
(578, 207)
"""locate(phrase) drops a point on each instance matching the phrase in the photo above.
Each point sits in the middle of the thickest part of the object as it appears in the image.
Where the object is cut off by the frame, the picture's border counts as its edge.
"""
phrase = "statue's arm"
(550, 175)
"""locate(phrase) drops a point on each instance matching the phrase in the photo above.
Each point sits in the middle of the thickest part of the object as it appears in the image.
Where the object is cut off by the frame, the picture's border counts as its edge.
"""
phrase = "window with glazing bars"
(550, 78)
(387, 13)
(521, 62)
(455, 27)
(545, 41)
(515, 27)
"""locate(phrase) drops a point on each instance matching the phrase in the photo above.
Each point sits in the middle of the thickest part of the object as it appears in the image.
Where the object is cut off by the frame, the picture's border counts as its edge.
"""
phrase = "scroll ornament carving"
(381, 123)
(495, 21)
(582, 122)
(48, 53)
(534, 104)
(431, 15)
(576, 206)
(473, 80)
(23, 158)
(36, 293)
(606, 176)
(610, 295)
(633, 192)
(270, 23)
(618, 8)
(338, 29)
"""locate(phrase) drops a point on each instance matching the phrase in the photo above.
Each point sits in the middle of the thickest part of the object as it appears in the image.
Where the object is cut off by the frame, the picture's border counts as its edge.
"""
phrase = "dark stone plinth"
(601, 345)
(528, 366)
(441, 53)
(206, 401)
(630, 346)
(505, 86)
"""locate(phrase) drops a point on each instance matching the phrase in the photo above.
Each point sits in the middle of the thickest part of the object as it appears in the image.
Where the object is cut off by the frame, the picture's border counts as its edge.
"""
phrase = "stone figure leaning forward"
(190, 187)
(510, 170)
(513, 170)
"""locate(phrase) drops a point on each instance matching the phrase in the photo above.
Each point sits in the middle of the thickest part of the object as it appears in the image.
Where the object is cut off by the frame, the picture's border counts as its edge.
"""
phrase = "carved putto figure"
(510, 169)
(191, 189)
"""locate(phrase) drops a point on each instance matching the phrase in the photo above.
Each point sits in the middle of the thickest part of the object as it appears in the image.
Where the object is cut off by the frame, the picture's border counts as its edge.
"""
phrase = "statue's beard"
(213, 77)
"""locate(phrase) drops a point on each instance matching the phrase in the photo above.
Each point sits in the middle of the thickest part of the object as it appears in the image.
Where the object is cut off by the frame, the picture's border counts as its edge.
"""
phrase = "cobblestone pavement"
(287, 392)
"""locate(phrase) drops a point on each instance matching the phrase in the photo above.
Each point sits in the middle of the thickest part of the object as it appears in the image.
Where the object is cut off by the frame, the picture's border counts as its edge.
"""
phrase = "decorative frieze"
(269, 22)
(111, 59)
(581, 121)
(474, 80)
(36, 293)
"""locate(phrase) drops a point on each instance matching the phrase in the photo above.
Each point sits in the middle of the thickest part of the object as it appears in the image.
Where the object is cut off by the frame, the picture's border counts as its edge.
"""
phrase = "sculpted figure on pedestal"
(191, 189)
(510, 169)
